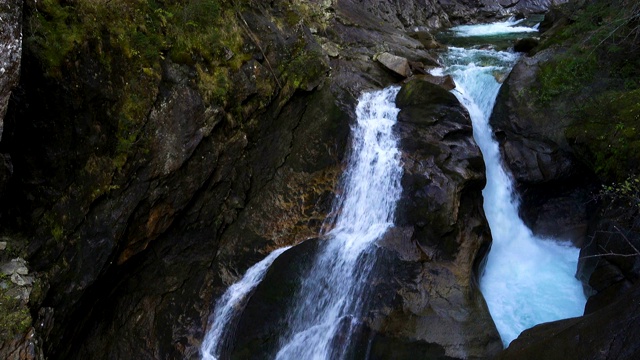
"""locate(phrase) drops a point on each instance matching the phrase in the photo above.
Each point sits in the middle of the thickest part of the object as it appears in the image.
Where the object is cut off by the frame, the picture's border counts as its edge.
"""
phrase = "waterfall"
(231, 303)
(331, 297)
(527, 280)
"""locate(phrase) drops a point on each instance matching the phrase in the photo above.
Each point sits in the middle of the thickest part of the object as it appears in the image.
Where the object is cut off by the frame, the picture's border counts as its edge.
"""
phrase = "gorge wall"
(151, 154)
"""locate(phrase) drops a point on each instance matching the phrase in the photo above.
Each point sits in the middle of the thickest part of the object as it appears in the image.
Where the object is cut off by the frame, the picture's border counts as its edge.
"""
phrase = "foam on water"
(497, 28)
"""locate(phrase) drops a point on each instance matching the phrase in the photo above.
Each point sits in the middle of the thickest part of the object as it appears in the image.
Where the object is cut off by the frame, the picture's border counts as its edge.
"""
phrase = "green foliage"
(15, 318)
(565, 76)
(627, 192)
(603, 32)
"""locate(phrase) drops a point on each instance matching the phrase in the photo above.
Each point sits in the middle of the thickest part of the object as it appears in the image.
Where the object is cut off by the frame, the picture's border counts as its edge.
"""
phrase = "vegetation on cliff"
(599, 70)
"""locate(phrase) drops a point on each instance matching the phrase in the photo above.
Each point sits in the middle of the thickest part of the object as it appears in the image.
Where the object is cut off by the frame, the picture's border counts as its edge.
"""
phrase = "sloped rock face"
(535, 150)
(134, 248)
(471, 11)
(423, 296)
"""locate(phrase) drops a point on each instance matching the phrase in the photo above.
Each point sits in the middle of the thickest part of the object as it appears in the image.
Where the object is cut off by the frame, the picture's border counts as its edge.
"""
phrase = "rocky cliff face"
(149, 171)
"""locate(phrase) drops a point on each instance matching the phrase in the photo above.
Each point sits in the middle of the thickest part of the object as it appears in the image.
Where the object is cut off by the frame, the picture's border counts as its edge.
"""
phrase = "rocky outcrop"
(471, 11)
(535, 150)
(424, 296)
(441, 231)
(397, 64)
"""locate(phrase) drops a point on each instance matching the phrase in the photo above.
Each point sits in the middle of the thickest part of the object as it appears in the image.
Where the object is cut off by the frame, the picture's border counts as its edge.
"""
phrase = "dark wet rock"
(610, 261)
(525, 45)
(543, 164)
(560, 212)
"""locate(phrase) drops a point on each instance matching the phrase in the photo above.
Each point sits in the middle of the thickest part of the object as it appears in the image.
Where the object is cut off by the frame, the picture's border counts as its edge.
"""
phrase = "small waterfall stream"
(230, 303)
(527, 280)
(332, 295)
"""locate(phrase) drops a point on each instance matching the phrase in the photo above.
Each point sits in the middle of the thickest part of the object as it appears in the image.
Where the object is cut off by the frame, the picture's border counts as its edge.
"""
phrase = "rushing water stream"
(527, 280)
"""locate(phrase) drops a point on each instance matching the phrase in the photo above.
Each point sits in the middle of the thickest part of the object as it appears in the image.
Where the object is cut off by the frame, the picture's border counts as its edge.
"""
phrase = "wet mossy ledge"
(111, 62)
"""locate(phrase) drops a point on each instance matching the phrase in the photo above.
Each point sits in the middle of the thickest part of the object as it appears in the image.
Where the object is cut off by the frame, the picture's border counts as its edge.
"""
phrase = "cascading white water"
(333, 293)
(527, 280)
(331, 296)
(231, 303)
(497, 28)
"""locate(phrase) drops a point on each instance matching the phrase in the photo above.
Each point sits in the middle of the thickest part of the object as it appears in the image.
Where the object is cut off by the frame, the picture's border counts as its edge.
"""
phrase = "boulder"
(525, 45)
(446, 82)
(397, 64)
